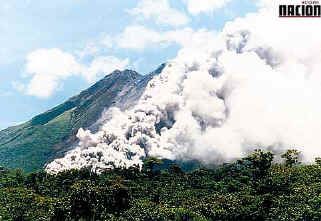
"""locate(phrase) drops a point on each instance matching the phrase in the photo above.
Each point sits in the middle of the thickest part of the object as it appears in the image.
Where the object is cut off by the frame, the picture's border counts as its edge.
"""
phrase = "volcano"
(49, 135)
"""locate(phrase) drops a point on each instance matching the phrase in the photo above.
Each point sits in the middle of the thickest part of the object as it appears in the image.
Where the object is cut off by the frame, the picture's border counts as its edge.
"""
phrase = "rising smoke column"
(256, 84)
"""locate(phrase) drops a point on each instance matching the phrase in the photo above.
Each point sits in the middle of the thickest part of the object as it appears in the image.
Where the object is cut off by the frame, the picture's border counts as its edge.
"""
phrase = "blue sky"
(51, 50)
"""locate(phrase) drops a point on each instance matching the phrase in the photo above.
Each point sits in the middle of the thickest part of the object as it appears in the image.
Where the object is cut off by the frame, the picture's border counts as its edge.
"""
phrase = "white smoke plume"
(256, 84)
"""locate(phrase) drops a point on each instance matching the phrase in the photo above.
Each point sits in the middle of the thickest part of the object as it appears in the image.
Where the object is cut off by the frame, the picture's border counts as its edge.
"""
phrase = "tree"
(175, 169)
(19, 176)
(291, 157)
(318, 161)
(261, 161)
(149, 165)
(120, 195)
(83, 200)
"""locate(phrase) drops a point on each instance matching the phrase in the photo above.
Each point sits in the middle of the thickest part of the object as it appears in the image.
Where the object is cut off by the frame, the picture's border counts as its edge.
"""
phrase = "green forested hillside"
(249, 189)
(32, 144)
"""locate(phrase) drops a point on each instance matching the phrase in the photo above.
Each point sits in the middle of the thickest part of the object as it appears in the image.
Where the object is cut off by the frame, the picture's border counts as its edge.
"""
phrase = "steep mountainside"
(32, 144)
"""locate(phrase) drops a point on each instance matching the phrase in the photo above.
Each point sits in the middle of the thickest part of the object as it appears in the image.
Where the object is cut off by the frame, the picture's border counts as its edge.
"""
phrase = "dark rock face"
(49, 135)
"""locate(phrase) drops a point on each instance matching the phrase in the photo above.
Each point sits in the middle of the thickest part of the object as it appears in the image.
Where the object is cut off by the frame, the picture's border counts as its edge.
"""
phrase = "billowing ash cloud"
(257, 84)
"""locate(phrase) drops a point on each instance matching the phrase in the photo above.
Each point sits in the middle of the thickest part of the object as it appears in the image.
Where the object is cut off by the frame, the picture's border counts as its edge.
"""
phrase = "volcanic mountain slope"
(49, 135)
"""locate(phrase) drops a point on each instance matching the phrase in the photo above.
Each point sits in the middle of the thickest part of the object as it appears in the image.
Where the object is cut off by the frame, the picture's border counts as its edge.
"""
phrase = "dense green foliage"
(249, 189)
(47, 136)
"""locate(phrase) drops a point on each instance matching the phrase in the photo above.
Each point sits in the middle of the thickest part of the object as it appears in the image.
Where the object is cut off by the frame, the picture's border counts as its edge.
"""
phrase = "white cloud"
(138, 37)
(185, 37)
(91, 49)
(18, 86)
(96, 46)
(104, 64)
(196, 7)
(49, 67)
(160, 11)
(107, 41)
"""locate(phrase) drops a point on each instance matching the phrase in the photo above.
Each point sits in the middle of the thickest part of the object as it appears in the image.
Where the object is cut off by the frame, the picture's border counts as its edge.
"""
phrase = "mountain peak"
(127, 72)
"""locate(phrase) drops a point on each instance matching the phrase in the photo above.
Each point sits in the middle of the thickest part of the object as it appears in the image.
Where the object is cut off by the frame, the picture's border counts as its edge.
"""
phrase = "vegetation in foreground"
(249, 189)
